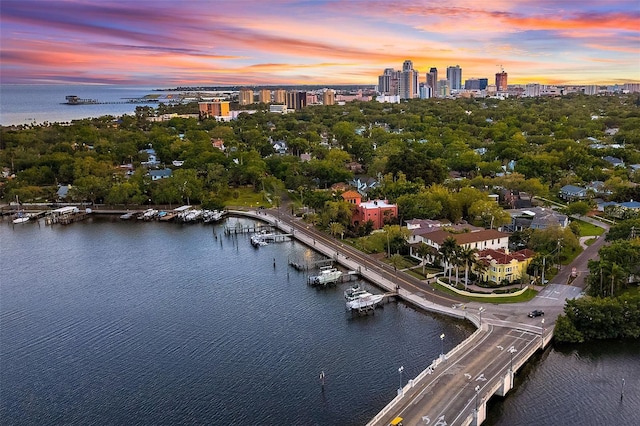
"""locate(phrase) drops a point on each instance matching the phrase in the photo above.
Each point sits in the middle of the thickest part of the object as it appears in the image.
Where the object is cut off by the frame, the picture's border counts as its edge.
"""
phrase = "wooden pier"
(247, 229)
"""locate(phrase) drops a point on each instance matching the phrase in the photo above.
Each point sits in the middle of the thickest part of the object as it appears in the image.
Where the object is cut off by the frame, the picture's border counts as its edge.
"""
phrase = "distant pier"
(76, 100)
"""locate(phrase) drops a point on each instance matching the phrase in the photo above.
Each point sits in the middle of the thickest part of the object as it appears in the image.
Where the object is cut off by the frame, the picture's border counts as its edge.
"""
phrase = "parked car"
(536, 313)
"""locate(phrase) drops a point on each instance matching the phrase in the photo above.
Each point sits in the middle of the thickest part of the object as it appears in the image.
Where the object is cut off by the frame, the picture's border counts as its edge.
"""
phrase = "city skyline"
(292, 42)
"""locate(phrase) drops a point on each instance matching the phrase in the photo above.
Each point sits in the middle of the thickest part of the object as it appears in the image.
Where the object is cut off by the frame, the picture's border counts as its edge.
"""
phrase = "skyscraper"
(279, 96)
(454, 77)
(245, 97)
(329, 97)
(265, 96)
(501, 81)
(408, 81)
(385, 82)
(432, 81)
(296, 100)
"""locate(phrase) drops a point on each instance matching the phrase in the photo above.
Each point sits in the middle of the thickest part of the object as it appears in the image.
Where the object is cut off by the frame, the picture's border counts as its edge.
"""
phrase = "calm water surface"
(39, 103)
(106, 322)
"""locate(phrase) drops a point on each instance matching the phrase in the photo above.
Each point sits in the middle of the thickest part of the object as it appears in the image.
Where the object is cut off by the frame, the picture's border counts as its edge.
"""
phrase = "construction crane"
(501, 67)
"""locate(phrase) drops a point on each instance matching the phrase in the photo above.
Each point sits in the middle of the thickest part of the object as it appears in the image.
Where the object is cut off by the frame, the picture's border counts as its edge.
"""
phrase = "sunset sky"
(165, 43)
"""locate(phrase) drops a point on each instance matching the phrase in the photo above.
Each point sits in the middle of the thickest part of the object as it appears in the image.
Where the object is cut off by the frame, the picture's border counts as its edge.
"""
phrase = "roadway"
(448, 396)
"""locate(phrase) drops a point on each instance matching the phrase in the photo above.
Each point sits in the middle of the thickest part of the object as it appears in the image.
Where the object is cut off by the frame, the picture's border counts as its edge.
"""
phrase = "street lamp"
(542, 333)
(480, 311)
(442, 345)
(512, 350)
(400, 370)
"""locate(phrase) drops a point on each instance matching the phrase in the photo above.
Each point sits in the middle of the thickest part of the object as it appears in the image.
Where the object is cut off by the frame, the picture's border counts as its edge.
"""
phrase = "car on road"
(536, 313)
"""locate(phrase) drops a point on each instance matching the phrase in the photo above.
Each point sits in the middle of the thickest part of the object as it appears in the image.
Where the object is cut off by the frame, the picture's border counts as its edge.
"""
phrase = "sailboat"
(21, 216)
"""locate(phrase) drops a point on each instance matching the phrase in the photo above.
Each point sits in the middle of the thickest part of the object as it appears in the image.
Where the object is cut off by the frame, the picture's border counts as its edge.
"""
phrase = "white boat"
(21, 218)
(209, 216)
(328, 275)
(257, 241)
(148, 214)
(365, 302)
(262, 238)
(355, 292)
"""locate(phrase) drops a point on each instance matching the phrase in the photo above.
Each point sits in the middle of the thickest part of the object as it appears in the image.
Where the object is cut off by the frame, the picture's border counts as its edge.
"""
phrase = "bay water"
(40, 103)
(113, 322)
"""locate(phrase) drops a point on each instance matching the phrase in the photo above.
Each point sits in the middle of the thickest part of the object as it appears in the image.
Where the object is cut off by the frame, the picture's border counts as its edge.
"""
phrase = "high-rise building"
(454, 77)
(532, 90)
(280, 96)
(484, 82)
(213, 109)
(591, 89)
(296, 100)
(501, 81)
(472, 84)
(265, 96)
(245, 97)
(388, 82)
(329, 97)
(432, 80)
(443, 89)
(408, 81)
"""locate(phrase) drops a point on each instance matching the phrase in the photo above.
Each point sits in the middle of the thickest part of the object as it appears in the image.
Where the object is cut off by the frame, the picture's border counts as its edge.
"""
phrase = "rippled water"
(581, 385)
(107, 322)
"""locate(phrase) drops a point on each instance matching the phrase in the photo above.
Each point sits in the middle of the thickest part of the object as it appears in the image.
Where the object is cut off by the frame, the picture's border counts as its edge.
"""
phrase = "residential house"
(379, 212)
(418, 227)
(478, 240)
(515, 199)
(63, 192)
(152, 159)
(280, 147)
(363, 184)
(160, 174)
(535, 218)
(572, 192)
(218, 143)
(615, 162)
(501, 266)
(624, 210)
(598, 188)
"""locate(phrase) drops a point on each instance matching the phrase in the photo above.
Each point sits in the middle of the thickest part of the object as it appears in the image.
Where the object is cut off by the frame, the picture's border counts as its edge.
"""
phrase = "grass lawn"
(248, 198)
(587, 229)
(590, 241)
(524, 297)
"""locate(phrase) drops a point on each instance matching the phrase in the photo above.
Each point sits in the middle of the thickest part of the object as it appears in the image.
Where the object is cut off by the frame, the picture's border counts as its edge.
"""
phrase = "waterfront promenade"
(456, 387)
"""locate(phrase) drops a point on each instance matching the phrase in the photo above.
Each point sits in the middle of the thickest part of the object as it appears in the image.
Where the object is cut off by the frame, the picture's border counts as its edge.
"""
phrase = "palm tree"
(336, 228)
(467, 256)
(424, 251)
(448, 252)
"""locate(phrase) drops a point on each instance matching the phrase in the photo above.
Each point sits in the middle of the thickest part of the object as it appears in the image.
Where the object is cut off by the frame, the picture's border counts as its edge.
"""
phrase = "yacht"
(328, 275)
(355, 292)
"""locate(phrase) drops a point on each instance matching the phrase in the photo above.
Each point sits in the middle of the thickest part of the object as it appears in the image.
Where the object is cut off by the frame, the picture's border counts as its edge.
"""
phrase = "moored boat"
(355, 292)
(365, 302)
(21, 218)
(328, 275)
